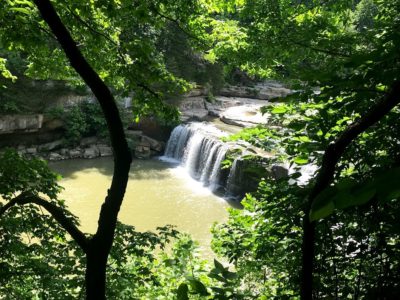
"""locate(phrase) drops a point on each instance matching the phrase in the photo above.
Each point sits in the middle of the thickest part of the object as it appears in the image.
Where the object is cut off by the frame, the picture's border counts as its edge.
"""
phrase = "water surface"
(158, 193)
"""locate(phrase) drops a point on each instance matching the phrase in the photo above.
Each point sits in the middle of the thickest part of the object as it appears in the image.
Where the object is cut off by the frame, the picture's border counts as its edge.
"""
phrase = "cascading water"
(197, 147)
(231, 183)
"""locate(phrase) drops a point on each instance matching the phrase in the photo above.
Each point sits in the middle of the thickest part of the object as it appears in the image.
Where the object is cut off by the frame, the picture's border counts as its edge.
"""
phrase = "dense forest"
(336, 236)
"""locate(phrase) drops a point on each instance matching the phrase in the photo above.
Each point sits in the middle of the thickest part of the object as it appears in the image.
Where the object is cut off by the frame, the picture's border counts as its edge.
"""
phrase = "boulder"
(154, 144)
(64, 152)
(31, 151)
(196, 92)
(51, 146)
(55, 156)
(88, 141)
(91, 152)
(142, 152)
(133, 133)
(279, 172)
(75, 153)
(198, 114)
(105, 150)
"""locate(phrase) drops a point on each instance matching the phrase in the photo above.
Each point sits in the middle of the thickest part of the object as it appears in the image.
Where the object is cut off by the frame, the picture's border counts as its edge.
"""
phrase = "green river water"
(158, 193)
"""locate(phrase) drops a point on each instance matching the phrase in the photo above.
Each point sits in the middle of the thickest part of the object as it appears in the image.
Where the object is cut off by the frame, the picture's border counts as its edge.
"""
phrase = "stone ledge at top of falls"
(235, 105)
(243, 112)
(267, 90)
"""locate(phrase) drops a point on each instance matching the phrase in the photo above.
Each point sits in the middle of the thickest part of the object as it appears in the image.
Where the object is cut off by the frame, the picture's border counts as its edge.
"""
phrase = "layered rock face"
(20, 123)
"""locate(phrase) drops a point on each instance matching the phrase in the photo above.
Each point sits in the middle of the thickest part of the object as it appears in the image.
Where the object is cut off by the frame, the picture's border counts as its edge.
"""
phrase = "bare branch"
(57, 213)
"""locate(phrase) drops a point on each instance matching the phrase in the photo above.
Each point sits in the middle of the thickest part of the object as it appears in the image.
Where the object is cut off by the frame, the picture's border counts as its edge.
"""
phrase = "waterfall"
(198, 149)
(233, 179)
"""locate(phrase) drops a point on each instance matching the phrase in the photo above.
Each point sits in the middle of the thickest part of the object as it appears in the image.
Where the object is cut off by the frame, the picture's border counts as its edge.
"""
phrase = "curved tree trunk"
(326, 174)
(99, 246)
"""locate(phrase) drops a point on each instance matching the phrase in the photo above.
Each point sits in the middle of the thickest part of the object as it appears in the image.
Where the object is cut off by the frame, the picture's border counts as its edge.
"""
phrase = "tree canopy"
(335, 236)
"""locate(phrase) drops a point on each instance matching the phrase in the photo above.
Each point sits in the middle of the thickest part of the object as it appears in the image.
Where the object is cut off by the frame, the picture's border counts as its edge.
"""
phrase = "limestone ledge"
(143, 147)
(20, 123)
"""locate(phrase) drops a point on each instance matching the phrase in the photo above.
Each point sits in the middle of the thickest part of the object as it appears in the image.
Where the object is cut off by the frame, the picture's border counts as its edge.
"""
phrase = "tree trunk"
(308, 249)
(100, 245)
(95, 277)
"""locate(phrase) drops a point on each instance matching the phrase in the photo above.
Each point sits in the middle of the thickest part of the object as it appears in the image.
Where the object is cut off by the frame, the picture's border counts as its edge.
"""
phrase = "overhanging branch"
(326, 174)
(336, 149)
(56, 212)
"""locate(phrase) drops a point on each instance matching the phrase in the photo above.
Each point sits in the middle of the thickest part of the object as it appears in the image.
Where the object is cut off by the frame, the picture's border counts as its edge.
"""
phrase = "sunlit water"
(158, 193)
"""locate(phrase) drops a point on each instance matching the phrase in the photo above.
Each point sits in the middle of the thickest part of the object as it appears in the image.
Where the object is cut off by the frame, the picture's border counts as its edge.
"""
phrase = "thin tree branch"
(326, 174)
(321, 50)
(57, 213)
(148, 89)
(102, 34)
(177, 24)
(91, 28)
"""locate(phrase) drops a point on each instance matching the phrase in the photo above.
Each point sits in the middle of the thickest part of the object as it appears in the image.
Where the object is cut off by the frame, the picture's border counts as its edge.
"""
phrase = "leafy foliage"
(85, 119)
(340, 58)
(21, 175)
(120, 40)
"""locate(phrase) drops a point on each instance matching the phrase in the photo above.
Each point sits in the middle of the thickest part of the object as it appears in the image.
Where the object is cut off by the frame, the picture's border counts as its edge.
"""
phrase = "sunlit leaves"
(4, 71)
(120, 39)
(347, 193)
(18, 174)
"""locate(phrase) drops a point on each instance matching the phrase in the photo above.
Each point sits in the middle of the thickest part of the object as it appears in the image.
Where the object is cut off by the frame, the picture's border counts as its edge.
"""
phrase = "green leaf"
(322, 212)
(301, 160)
(229, 275)
(218, 265)
(198, 287)
(323, 205)
(279, 109)
(22, 10)
(363, 196)
(25, 2)
(182, 292)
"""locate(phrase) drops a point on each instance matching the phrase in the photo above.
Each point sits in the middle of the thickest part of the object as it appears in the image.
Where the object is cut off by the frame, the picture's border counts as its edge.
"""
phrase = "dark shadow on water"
(234, 203)
(140, 169)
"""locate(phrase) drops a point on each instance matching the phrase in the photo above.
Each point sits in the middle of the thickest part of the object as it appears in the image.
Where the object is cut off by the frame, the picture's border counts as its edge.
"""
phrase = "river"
(158, 193)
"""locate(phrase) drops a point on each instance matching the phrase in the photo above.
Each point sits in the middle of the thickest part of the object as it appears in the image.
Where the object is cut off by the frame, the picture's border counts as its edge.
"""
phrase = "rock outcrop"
(235, 105)
(20, 123)
(193, 108)
(143, 146)
(264, 91)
